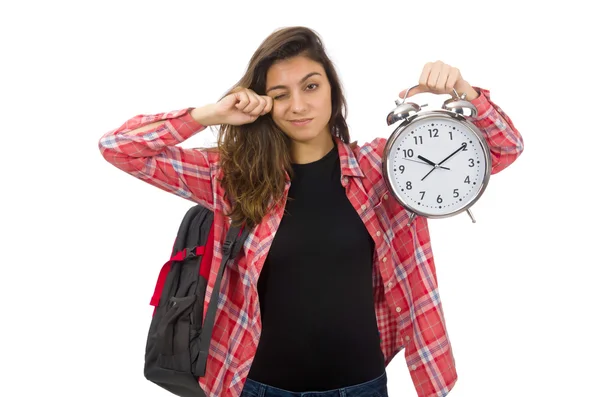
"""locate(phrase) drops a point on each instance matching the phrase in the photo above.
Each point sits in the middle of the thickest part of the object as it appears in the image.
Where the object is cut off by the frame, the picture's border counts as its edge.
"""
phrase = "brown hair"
(255, 156)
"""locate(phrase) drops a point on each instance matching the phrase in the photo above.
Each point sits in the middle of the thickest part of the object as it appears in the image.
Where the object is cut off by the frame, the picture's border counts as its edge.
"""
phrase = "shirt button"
(390, 284)
(398, 309)
(364, 207)
(385, 259)
(378, 233)
(385, 196)
(407, 337)
(345, 179)
(413, 367)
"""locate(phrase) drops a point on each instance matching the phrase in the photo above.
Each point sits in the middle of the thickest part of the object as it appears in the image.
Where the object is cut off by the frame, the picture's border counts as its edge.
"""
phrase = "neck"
(308, 152)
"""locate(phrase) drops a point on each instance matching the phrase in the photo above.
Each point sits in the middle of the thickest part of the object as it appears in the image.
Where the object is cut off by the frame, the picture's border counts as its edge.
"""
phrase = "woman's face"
(300, 90)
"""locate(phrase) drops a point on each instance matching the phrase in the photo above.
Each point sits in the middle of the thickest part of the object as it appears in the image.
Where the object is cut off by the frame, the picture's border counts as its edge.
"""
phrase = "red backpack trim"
(179, 256)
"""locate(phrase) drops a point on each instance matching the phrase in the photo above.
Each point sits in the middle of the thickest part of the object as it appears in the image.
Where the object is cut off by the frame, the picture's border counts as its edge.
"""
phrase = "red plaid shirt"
(407, 302)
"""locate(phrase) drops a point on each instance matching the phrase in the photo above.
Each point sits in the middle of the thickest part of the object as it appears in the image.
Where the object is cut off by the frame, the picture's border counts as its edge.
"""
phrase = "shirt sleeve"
(153, 157)
(504, 140)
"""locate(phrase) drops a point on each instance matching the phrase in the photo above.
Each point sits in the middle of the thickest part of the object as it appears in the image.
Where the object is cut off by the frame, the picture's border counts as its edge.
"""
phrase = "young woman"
(332, 282)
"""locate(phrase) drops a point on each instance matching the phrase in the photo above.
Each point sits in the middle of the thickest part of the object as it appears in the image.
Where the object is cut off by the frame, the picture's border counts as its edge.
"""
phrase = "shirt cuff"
(183, 124)
(481, 103)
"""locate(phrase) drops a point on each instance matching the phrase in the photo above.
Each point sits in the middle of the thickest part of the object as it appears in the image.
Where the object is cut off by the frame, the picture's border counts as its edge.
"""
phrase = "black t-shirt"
(319, 330)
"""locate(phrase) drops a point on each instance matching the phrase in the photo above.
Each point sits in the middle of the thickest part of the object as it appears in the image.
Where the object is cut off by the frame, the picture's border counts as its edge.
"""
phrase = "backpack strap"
(234, 241)
(180, 250)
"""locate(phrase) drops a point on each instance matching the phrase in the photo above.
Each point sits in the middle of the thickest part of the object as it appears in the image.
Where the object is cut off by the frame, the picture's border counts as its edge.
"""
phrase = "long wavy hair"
(255, 157)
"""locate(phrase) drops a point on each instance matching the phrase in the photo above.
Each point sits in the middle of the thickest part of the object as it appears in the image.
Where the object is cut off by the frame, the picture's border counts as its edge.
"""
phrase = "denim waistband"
(373, 388)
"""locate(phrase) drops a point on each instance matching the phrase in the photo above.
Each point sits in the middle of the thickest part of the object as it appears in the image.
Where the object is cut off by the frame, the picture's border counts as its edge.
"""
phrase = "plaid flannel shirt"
(407, 302)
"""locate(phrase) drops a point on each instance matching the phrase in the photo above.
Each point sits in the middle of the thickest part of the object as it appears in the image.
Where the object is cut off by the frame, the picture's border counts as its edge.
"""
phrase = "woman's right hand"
(242, 106)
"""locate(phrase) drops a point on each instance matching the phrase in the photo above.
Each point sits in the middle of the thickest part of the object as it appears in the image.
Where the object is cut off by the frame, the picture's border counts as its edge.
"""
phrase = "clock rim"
(397, 133)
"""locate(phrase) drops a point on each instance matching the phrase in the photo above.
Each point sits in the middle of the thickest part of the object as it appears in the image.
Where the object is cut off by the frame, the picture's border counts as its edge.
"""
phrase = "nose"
(298, 104)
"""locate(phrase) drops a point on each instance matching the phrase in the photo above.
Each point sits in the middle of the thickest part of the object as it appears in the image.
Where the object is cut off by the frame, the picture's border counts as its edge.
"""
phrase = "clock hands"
(464, 145)
(433, 169)
(441, 162)
(429, 162)
(424, 162)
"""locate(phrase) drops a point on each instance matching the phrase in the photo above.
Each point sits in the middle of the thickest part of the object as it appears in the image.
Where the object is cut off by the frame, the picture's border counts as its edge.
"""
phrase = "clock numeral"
(422, 195)
(467, 180)
(401, 168)
(408, 153)
(471, 163)
(439, 199)
(464, 144)
(450, 132)
(433, 133)
(408, 185)
(455, 193)
(418, 139)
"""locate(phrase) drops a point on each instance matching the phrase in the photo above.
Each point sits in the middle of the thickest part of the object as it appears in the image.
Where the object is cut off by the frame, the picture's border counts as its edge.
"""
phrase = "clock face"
(437, 166)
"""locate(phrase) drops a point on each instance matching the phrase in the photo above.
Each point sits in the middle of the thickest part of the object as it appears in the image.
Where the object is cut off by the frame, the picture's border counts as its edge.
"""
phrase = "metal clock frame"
(453, 110)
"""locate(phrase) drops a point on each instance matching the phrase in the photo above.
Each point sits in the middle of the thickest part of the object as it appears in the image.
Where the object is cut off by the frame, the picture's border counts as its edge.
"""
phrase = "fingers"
(264, 104)
(413, 91)
(428, 79)
(424, 78)
(268, 105)
(440, 85)
(452, 79)
(243, 98)
(253, 104)
(436, 77)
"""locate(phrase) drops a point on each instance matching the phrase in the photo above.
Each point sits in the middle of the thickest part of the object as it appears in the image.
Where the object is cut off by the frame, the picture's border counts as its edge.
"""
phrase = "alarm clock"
(436, 163)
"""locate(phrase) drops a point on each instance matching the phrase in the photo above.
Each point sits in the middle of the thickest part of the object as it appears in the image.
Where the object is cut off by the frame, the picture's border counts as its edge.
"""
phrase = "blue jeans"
(373, 388)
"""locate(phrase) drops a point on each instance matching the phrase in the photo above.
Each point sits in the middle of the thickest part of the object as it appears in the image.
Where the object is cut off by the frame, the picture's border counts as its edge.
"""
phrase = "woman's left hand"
(440, 78)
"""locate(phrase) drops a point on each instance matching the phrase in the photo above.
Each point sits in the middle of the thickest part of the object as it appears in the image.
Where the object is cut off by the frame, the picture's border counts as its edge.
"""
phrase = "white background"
(82, 242)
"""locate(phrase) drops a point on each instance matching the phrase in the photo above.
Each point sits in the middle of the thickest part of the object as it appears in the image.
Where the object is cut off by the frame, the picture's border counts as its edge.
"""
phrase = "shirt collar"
(348, 162)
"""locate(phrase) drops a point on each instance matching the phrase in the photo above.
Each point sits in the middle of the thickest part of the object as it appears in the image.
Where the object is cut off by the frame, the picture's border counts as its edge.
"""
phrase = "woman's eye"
(308, 87)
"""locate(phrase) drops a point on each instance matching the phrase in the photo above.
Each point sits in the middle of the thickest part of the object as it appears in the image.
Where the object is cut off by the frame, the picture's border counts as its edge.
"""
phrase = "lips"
(300, 121)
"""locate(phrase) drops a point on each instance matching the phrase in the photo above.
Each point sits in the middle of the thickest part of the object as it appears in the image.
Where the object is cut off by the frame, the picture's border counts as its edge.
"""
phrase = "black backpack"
(178, 339)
